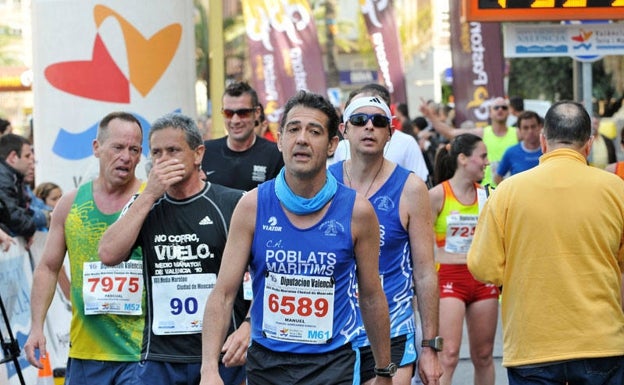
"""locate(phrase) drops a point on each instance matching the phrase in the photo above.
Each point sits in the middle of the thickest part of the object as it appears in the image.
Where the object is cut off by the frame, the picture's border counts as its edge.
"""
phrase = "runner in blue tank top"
(307, 244)
(402, 206)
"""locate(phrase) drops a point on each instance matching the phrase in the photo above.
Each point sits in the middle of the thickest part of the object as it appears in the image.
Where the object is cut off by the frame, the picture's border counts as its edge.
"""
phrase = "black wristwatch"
(388, 371)
(436, 343)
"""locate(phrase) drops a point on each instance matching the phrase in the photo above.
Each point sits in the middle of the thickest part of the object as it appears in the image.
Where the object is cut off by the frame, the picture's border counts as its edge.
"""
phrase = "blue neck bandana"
(302, 206)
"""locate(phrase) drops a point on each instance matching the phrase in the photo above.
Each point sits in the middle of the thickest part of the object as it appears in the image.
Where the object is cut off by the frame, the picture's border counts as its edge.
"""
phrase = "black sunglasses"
(361, 119)
(242, 113)
(504, 108)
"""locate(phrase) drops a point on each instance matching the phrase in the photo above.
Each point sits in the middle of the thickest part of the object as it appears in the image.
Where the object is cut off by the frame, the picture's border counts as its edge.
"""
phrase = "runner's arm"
(45, 278)
(221, 300)
(118, 240)
(373, 303)
(444, 129)
(420, 229)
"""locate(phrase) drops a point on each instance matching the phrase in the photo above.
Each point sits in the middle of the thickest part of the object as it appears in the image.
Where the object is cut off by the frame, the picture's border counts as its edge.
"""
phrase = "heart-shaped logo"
(101, 78)
(147, 58)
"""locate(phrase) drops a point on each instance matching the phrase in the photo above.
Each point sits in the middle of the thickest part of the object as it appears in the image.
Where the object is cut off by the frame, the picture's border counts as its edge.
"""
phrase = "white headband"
(367, 101)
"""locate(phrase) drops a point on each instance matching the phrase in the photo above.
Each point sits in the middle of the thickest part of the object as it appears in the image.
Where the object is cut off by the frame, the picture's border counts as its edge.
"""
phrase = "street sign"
(539, 40)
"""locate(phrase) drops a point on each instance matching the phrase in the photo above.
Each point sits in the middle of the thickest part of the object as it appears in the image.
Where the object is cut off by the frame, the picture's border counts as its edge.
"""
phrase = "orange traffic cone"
(45, 374)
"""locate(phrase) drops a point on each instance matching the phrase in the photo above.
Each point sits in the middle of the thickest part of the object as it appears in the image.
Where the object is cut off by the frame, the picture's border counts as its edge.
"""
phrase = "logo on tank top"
(383, 203)
(331, 228)
(206, 221)
(272, 225)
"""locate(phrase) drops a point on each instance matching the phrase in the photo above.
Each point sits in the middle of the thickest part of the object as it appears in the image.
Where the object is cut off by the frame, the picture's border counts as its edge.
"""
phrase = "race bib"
(460, 230)
(113, 289)
(298, 308)
(181, 302)
(247, 287)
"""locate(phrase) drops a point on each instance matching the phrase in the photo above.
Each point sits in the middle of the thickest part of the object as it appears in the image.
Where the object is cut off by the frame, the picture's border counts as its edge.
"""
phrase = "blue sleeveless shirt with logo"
(395, 262)
(304, 280)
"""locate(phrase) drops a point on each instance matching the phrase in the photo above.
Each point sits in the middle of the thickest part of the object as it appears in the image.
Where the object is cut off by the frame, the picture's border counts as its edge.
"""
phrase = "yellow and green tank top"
(103, 337)
(456, 221)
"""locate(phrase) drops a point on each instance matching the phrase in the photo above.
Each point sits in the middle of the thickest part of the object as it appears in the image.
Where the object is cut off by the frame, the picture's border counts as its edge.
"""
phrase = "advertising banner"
(16, 274)
(284, 52)
(533, 40)
(95, 57)
(384, 36)
(478, 67)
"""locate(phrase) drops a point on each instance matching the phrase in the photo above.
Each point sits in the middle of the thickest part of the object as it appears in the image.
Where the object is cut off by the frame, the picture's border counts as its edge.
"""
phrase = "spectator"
(262, 126)
(204, 124)
(618, 167)
(5, 239)
(516, 107)
(5, 127)
(552, 236)
(526, 154)
(41, 211)
(602, 150)
(402, 116)
(497, 136)
(49, 193)
(16, 162)
(427, 139)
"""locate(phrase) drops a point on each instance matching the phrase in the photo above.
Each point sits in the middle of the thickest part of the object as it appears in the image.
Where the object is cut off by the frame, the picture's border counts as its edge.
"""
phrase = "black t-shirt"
(242, 170)
(183, 243)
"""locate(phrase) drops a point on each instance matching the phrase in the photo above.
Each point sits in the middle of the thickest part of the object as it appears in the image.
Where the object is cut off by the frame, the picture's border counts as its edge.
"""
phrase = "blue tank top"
(304, 280)
(395, 261)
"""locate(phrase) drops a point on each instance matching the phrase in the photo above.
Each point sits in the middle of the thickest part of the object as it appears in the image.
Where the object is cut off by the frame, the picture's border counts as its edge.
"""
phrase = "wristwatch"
(388, 371)
(435, 343)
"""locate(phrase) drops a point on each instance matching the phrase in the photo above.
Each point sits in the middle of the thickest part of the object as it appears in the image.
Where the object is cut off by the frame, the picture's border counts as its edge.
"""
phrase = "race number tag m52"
(181, 302)
(298, 308)
(113, 289)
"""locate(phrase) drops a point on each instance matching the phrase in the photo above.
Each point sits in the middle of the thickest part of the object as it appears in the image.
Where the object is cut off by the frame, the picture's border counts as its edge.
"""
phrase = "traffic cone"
(44, 377)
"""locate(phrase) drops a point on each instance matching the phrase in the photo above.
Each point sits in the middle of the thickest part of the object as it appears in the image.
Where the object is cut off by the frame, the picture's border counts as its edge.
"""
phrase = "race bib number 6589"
(298, 308)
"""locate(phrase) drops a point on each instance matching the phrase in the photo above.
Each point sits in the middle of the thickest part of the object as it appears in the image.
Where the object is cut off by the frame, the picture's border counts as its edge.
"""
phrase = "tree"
(548, 78)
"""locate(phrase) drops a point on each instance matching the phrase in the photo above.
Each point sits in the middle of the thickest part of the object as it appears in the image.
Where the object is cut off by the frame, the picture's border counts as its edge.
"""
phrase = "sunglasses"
(361, 119)
(242, 113)
(504, 108)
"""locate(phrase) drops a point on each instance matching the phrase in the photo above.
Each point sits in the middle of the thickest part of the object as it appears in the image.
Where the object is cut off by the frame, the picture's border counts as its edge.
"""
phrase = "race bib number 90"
(113, 289)
(298, 308)
(181, 302)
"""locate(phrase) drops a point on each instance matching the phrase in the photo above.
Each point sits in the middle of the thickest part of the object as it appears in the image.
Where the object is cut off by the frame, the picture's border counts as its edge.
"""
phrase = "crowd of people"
(343, 247)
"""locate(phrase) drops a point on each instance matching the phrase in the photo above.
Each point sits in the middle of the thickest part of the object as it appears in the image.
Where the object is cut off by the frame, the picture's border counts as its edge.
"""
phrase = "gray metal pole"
(587, 87)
